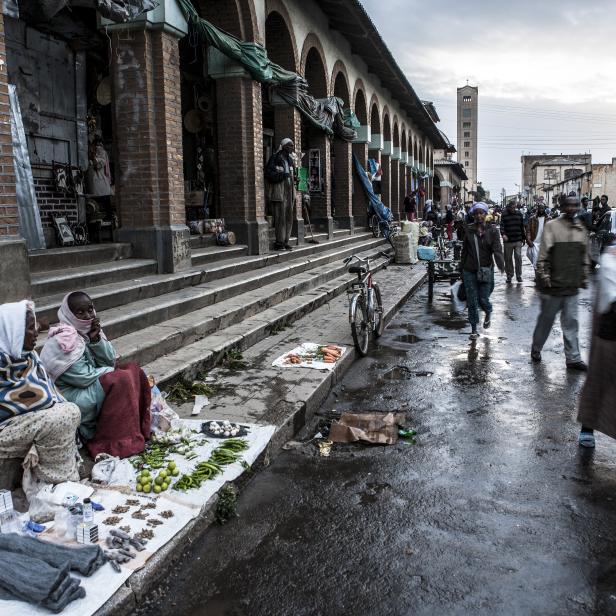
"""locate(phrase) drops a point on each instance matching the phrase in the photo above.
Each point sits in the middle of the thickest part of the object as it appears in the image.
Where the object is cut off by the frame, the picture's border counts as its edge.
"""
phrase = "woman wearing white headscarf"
(598, 400)
(32, 412)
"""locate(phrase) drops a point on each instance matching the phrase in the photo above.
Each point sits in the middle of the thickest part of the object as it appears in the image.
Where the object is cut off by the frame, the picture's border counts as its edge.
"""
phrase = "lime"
(172, 465)
(164, 486)
(157, 490)
(145, 472)
(140, 480)
(147, 488)
(159, 480)
(163, 474)
(175, 472)
(139, 488)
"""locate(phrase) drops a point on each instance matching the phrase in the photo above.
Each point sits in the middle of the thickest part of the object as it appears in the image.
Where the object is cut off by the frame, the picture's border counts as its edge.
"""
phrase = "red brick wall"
(148, 128)
(52, 202)
(343, 194)
(9, 216)
(240, 148)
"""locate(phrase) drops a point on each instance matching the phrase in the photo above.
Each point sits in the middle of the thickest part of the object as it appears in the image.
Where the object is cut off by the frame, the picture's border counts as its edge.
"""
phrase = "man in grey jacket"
(562, 269)
(280, 175)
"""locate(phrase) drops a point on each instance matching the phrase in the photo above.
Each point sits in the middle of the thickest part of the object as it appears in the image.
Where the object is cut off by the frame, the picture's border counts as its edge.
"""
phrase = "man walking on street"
(562, 269)
(280, 175)
(514, 236)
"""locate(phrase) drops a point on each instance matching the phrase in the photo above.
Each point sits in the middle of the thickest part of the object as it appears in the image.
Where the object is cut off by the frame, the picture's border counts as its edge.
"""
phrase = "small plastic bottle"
(88, 512)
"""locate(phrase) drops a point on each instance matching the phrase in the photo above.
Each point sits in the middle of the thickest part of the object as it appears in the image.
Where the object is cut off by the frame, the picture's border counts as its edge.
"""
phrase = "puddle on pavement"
(450, 323)
(409, 338)
(400, 373)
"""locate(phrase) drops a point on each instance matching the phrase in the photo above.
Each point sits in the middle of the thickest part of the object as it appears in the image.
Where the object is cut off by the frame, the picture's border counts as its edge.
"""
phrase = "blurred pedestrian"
(481, 248)
(562, 269)
(514, 237)
(534, 233)
(449, 220)
(596, 410)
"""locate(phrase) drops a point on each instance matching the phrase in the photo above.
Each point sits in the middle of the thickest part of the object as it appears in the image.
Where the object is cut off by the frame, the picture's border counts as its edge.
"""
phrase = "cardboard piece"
(375, 427)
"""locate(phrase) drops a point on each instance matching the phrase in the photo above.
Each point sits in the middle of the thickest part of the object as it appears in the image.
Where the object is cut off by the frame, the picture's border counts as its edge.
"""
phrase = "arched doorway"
(440, 195)
(315, 142)
(342, 184)
(386, 160)
(238, 121)
(281, 120)
(360, 200)
(403, 168)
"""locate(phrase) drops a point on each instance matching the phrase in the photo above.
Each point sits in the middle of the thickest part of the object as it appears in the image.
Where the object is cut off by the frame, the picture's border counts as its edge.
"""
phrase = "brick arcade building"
(180, 120)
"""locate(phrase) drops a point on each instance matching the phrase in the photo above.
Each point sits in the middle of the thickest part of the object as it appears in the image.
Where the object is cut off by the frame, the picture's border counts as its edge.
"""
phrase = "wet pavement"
(494, 509)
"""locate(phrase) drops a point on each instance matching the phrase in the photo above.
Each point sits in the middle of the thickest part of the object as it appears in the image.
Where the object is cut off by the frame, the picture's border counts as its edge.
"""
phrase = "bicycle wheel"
(360, 328)
(379, 317)
(374, 225)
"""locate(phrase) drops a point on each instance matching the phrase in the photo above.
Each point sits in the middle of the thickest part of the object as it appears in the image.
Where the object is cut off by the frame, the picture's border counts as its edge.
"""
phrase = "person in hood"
(280, 174)
(114, 400)
(34, 417)
(562, 270)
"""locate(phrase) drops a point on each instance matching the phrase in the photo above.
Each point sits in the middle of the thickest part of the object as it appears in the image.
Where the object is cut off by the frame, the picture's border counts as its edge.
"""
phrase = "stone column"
(386, 181)
(288, 123)
(147, 114)
(360, 199)
(240, 152)
(395, 183)
(343, 177)
(14, 266)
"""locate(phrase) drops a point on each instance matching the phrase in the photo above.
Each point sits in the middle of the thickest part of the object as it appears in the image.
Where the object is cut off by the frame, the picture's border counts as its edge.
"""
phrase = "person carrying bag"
(481, 248)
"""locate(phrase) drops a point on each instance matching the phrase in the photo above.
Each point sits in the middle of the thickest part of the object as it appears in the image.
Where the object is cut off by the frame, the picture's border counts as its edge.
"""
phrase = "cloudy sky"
(545, 71)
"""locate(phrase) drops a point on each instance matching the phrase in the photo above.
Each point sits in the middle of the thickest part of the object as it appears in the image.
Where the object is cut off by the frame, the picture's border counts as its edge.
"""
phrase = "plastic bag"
(532, 253)
(49, 499)
(163, 417)
(459, 306)
(112, 471)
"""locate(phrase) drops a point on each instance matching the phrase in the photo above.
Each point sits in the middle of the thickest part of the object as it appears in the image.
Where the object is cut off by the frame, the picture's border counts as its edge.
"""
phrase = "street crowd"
(569, 246)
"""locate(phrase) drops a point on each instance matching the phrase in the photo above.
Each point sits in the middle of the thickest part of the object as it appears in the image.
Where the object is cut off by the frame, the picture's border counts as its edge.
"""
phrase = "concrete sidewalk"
(261, 393)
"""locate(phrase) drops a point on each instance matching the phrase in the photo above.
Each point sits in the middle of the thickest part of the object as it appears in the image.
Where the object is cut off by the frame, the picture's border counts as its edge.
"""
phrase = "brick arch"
(375, 114)
(396, 133)
(278, 7)
(311, 42)
(403, 138)
(361, 111)
(238, 17)
(386, 124)
(340, 69)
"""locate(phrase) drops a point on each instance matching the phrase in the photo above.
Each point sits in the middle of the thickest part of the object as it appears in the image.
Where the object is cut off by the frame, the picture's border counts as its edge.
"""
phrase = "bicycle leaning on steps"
(365, 304)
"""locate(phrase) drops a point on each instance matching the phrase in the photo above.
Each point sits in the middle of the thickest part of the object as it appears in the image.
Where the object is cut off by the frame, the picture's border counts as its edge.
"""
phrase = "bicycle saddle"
(358, 269)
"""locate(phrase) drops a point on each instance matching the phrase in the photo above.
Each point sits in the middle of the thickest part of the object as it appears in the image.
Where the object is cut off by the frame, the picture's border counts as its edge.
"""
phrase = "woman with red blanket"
(114, 401)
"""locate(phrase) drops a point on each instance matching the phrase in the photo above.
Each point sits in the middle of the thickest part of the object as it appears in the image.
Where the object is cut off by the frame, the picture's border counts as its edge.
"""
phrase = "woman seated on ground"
(114, 401)
(32, 412)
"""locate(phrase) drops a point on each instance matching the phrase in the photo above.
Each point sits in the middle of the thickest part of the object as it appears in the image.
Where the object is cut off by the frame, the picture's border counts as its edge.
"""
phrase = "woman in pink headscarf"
(114, 401)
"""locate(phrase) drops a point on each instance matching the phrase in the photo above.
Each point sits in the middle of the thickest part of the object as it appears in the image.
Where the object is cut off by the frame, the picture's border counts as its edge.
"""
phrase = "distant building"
(529, 160)
(468, 119)
(599, 180)
(548, 173)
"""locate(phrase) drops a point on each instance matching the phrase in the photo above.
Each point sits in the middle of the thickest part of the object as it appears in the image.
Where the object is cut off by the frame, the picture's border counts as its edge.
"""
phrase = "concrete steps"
(212, 254)
(227, 303)
(145, 345)
(61, 281)
(205, 353)
(77, 256)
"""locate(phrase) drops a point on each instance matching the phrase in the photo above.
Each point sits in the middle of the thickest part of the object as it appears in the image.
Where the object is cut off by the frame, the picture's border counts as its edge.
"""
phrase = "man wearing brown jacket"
(562, 269)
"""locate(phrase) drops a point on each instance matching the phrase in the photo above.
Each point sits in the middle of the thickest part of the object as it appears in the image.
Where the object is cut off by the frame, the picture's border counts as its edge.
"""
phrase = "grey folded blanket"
(34, 581)
(39, 571)
(84, 559)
